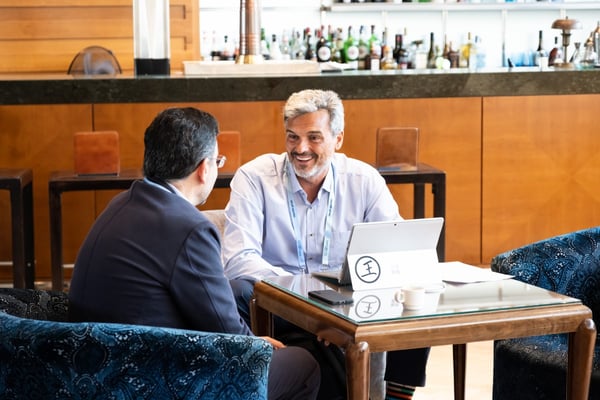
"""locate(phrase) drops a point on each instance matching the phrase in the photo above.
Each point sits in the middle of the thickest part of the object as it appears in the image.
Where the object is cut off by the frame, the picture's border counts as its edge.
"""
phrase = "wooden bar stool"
(20, 184)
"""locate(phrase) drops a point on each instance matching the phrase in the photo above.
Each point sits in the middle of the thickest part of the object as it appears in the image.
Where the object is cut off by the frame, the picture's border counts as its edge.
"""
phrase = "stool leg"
(56, 239)
(29, 236)
(18, 236)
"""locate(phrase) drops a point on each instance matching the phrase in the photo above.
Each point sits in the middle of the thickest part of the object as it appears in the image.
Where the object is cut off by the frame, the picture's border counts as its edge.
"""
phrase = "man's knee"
(294, 374)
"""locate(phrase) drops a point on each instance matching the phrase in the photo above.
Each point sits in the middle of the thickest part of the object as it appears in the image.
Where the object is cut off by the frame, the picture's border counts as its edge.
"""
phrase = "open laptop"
(390, 254)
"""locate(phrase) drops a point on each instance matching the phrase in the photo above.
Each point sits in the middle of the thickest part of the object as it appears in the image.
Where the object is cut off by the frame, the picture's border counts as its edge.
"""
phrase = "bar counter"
(357, 85)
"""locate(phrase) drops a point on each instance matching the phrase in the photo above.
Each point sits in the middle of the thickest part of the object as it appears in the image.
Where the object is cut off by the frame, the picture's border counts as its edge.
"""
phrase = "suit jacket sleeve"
(199, 286)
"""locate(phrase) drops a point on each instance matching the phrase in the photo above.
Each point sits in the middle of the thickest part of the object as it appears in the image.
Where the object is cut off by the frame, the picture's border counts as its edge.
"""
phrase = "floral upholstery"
(535, 367)
(42, 359)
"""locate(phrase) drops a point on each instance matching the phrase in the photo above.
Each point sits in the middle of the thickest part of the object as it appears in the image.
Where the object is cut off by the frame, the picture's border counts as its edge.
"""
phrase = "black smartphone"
(330, 296)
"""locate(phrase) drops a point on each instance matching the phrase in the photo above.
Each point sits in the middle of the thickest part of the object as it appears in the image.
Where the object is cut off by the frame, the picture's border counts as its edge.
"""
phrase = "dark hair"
(176, 141)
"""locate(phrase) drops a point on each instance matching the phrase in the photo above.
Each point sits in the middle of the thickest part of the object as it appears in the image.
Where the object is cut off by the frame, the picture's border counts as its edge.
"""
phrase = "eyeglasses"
(220, 159)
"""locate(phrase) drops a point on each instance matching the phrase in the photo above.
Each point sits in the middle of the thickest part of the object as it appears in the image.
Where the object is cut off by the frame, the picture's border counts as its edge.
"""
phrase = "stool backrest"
(397, 147)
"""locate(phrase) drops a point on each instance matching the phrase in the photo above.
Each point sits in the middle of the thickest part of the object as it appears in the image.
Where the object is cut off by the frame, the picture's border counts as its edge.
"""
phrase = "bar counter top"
(18, 89)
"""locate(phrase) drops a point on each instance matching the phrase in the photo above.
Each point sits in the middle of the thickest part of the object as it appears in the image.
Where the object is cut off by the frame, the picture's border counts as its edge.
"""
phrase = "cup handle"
(399, 296)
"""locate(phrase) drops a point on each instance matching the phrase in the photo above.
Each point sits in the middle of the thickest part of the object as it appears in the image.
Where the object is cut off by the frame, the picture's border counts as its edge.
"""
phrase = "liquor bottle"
(541, 56)
(351, 50)
(400, 53)
(228, 49)
(388, 61)
(286, 51)
(298, 47)
(310, 52)
(373, 60)
(374, 42)
(338, 46)
(363, 47)
(264, 45)
(420, 55)
(323, 48)
(556, 55)
(577, 56)
(465, 52)
(453, 56)
(478, 54)
(274, 49)
(431, 52)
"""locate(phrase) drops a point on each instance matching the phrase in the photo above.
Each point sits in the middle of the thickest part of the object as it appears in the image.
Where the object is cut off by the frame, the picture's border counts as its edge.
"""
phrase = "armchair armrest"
(42, 359)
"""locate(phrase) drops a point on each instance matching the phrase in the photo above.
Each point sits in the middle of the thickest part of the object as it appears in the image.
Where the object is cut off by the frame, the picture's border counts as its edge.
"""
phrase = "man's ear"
(339, 140)
(202, 171)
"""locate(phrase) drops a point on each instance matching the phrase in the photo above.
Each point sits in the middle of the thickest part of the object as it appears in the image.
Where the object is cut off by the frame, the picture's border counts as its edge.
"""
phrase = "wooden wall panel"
(450, 140)
(44, 36)
(41, 138)
(541, 163)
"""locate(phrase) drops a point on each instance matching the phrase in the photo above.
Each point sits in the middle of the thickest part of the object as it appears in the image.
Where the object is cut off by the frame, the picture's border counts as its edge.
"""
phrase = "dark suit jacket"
(152, 258)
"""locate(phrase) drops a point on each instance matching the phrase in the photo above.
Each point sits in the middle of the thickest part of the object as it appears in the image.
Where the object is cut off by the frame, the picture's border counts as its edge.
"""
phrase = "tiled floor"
(478, 374)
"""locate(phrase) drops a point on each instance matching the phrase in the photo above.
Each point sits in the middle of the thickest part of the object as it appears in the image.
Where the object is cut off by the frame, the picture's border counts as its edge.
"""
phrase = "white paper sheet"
(459, 272)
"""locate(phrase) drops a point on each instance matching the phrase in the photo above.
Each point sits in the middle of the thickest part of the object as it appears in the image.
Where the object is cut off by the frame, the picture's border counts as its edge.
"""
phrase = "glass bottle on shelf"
(338, 53)
(323, 48)
(351, 49)
(589, 55)
(374, 42)
(373, 60)
(274, 49)
(556, 55)
(541, 56)
(431, 52)
(577, 57)
(286, 50)
(363, 47)
(388, 61)
(264, 45)
(310, 52)
(420, 55)
(465, 52)
(400, 53)
(453, 56)
(479, 56)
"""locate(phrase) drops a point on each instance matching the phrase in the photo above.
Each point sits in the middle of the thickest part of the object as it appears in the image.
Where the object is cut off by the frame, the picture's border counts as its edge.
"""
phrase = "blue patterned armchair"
(535, 367)
(42, 357)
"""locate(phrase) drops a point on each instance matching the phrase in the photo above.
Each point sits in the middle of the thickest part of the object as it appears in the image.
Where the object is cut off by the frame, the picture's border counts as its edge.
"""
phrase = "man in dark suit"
(151, 258)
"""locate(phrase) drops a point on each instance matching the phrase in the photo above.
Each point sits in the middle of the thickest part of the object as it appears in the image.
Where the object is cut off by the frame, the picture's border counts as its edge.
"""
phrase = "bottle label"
(352, 53)
(375, 64)
(324, 53)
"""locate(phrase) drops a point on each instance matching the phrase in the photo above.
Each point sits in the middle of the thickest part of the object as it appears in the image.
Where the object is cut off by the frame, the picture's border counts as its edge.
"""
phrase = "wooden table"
(461, 314)
(19, 182)
(66, 181)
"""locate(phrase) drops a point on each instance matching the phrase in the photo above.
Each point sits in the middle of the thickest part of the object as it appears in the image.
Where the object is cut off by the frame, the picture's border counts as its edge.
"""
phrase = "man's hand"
(274, 342)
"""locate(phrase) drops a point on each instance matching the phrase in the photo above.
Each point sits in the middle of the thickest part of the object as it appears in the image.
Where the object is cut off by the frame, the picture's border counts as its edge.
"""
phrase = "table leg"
(261, 320)
(459, 357)
(358, 370)
(56, 240)
(581, 354)
(439, 210)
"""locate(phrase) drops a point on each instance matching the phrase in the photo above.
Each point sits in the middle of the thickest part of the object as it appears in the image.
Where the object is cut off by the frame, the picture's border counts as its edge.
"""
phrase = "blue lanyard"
(296, 226)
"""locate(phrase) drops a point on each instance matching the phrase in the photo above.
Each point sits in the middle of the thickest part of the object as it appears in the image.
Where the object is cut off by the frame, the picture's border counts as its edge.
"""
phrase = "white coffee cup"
(413, 297)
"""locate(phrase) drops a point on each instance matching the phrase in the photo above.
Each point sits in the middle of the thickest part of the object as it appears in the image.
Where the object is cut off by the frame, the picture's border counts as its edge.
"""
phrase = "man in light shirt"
(292, 213)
